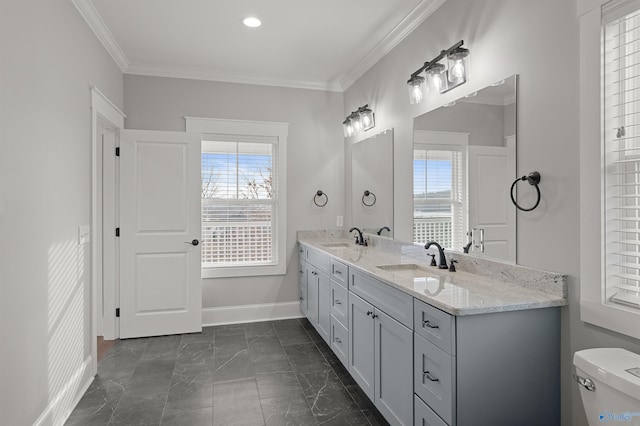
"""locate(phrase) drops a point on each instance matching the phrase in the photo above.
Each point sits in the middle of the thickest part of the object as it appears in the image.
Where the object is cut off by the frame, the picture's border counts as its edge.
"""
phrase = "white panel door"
(491, 173)
(160, 254)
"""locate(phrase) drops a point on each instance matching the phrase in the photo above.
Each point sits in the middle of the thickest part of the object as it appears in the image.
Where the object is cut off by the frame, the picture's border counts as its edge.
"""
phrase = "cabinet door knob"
(337, 340)
(428, 376)
(369, 313)
(427, 324)
(337, 302)
(301, 298)
(374, 316)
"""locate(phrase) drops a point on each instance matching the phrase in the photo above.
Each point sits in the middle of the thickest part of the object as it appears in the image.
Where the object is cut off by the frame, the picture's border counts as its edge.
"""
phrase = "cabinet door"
(393, 370)
(324, 307)
(302, 284)
(312, 295)
(361, 343)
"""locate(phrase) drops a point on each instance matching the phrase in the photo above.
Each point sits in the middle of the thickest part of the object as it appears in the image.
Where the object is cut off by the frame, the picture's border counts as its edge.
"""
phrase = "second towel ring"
(320, 194)
(534, 179)
(367, 194)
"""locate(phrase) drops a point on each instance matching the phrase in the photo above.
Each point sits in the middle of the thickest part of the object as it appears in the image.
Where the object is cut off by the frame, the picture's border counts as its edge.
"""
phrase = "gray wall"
(48, 59)
(315, 158)
(506, 37)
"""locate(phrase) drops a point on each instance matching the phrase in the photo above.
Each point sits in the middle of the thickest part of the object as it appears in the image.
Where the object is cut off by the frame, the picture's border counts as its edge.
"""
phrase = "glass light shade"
(437, 78)
(417, 89)
(367, 118)
(357, 122)
(458, 61)
(347, 128)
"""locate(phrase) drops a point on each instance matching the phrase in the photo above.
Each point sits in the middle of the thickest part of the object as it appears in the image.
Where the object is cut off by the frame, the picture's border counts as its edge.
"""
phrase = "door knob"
(193, 242)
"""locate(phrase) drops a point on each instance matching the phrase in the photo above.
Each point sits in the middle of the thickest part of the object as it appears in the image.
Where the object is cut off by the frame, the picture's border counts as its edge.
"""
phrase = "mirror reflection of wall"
(372, 171)
(463, 165)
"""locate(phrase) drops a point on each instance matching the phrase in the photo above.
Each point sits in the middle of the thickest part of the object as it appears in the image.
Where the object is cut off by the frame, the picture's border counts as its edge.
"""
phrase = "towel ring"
(534, 179)
(320, 194)
(366, 194)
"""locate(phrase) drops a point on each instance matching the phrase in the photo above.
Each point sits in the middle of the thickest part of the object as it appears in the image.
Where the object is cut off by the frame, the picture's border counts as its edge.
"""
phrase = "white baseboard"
(250, 313)
(61, 406)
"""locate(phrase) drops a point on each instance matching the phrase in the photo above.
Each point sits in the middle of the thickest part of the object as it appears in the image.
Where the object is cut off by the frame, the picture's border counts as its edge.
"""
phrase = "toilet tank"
(615, 373)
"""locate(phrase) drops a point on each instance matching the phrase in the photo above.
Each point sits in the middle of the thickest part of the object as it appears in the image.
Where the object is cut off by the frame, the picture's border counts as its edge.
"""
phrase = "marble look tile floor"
(265, 373)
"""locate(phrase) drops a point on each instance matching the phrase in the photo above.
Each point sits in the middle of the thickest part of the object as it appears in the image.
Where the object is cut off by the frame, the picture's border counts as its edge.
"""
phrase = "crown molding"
(95, 22)
(417, 16)
(214, 75)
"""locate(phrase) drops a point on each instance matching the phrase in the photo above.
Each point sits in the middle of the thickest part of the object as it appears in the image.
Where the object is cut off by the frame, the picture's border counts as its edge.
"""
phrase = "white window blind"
(239, 199)
(438, 194)
(621, 151)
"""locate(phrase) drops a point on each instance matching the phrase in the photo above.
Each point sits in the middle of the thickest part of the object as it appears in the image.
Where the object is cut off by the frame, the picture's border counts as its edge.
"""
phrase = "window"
(621, 152)
(610, 143)
(243, 197)
(439, 181)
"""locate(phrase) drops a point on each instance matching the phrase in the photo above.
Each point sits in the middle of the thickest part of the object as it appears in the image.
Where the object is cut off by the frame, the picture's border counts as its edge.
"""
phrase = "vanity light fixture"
(360, 120)
(439, 77)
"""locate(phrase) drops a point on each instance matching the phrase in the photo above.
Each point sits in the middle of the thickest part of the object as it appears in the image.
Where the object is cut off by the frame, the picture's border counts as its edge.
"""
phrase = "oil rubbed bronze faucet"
(359, 238)
(443, 260)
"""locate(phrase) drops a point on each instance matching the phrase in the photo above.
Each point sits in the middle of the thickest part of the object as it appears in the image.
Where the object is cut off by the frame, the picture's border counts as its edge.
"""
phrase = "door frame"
(106, 113)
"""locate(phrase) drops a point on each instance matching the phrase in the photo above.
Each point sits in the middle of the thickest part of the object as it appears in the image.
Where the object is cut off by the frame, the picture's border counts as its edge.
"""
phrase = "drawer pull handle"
(428, 376)
(338, 272)
(427, 324)
(301, 298)
(337, 340)
(337, 302)
(369, 313)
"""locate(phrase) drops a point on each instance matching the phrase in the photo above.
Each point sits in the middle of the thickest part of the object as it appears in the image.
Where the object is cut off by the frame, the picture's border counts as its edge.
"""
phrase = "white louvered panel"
(622, 157)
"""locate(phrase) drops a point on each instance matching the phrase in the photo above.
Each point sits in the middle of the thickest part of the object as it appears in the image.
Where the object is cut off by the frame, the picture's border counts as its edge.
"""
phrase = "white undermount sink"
(336, 245)
(407, 269)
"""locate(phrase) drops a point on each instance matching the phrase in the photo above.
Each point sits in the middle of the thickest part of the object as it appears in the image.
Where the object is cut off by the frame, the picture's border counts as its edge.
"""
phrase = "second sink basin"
(407, 269)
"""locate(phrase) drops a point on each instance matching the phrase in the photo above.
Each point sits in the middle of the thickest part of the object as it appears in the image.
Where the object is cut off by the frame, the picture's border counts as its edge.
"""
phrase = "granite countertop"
(479, 286)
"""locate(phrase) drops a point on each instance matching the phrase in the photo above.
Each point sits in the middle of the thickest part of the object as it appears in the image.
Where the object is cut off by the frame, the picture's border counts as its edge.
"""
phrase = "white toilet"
(609, 380)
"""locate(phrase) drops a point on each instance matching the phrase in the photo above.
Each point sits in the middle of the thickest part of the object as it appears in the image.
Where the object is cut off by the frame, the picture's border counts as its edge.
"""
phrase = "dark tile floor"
(266, 373)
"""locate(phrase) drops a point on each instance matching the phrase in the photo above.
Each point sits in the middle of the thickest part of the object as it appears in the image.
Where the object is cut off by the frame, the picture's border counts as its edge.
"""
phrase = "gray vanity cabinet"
(381, 347)
(318, 291)
(488, 368)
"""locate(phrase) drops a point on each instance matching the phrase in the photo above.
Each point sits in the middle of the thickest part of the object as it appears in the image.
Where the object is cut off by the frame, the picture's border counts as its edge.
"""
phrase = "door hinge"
(117, 151)
(117, 312)
(117, 232)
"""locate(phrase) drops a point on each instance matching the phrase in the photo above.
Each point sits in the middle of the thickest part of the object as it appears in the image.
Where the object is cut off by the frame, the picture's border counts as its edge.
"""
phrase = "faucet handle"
(433, 260)
(452, 267)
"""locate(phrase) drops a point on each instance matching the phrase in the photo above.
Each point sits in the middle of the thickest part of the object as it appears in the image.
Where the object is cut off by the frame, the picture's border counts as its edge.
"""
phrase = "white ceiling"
(324, 44)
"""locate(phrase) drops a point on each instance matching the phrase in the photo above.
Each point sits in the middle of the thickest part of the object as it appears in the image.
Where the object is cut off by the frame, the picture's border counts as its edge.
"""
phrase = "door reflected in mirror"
(372, 184)
(464, 161)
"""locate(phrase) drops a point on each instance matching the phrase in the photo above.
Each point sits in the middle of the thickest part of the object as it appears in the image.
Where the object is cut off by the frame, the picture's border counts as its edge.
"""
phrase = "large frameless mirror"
(464, 161)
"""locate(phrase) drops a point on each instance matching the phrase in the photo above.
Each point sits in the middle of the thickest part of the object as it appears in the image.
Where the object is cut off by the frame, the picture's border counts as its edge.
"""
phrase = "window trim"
(253, 128)
(593, 308)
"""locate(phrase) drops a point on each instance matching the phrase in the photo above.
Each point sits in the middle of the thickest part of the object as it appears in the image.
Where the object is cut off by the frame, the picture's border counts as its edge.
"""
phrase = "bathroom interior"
(509, 167)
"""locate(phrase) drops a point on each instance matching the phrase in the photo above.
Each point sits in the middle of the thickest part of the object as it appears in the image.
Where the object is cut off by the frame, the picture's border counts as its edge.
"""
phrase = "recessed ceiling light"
(252, 22)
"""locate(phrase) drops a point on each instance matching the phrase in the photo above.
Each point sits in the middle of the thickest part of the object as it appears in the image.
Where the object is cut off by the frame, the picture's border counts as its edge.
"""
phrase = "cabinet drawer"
(339, 273)
(389, 300)
(340, 341)
(434, 377)
(436, 326)
(424, 416)
(319, 260)
(339, 303)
